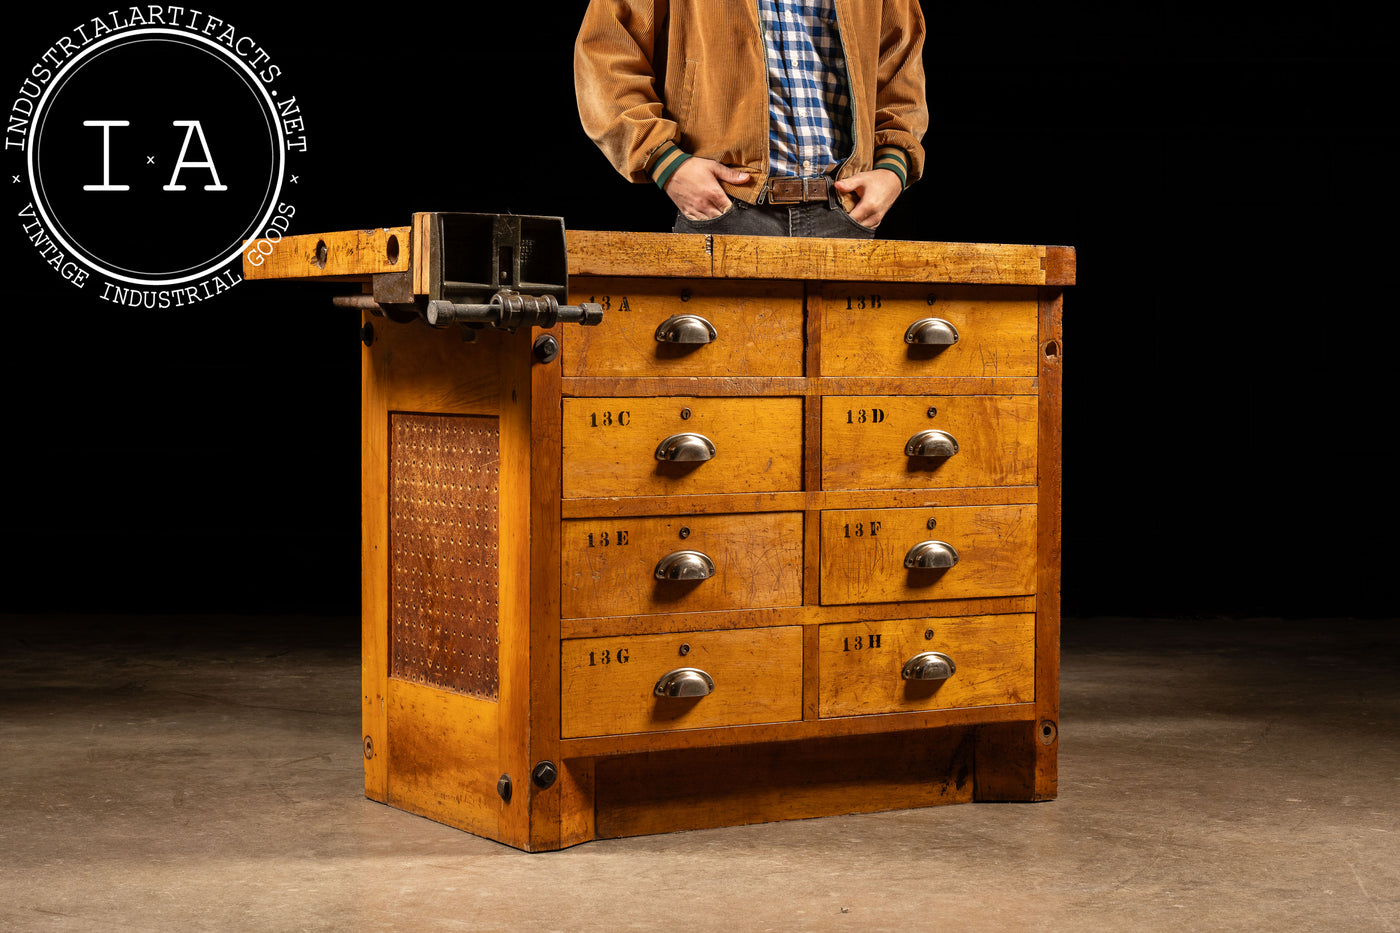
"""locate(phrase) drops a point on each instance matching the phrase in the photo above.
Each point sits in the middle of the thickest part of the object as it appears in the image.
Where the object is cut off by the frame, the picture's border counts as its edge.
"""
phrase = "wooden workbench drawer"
(864, 553)
(690, 563)
(864, 328)
(750, 328)
(862, 664)
(609, 683)
(611, 446)
(956, 440)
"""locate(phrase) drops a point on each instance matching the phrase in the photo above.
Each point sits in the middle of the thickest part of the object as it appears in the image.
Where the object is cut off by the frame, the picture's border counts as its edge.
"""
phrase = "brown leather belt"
(798, 190)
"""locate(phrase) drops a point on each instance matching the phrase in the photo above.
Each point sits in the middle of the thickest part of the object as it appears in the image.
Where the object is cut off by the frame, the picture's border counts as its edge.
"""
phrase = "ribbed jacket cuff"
(894, 159)
(667, 158)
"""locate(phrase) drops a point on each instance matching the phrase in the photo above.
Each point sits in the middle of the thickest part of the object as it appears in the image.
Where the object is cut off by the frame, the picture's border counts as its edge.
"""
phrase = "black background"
(1228, 179)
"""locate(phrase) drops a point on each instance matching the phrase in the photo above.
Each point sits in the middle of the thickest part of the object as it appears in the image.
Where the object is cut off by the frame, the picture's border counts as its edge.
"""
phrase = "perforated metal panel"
(443, 536)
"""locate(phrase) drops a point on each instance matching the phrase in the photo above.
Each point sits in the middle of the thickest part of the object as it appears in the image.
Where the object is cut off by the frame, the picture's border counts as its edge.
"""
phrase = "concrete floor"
(204, 774)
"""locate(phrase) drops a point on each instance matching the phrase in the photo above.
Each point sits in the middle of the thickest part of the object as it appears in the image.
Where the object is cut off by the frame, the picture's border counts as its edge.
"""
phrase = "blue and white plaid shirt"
(809, 104)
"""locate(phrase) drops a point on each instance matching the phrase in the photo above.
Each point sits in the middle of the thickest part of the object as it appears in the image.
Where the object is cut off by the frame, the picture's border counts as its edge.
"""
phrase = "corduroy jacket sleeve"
(619, 64)
(901, 107)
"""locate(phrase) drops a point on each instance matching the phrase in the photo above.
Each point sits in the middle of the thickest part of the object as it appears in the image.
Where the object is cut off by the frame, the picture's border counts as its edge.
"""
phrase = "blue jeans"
(814, 218)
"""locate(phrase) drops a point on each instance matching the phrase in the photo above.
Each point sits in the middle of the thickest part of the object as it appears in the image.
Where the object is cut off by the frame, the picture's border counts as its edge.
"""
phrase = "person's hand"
(875, 191)
(695, 189)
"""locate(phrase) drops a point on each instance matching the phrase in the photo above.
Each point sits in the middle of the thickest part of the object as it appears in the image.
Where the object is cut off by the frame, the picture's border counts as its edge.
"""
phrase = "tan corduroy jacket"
(656, 79)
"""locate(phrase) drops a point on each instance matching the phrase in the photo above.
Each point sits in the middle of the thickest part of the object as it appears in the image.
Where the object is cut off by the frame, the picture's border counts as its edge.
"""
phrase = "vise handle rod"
(507, 310)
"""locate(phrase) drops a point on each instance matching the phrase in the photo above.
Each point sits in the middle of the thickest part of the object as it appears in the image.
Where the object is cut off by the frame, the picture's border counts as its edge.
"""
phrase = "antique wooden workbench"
(779, 538)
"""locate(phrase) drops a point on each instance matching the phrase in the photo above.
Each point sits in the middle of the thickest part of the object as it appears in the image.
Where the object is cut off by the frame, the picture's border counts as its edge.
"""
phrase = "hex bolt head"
(544, 775)
(546, 348)
(504, 787)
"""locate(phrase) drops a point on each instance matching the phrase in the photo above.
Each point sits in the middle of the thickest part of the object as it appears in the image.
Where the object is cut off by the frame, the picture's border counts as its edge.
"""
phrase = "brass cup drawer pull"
(686, 328)
(685, 565)
(931, 555)
(931, 332)
(685, 682)
(929, 665)
(931, 444)
(685, 448)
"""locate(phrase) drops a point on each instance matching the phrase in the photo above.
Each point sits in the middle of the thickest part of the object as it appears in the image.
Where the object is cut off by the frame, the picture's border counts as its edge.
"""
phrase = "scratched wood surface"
(862, 663)
(529, 608)
(1045, 732)
(441, 751)
(863, 330)
(879, 260)
(705, 787)
(354, 254)
(863, 552)
(611, 252)
(864, 440)
(608, 682)
(610, 445)
(362, 253)
(758, 328)
(374, 574)
(608, 564)
(741, 257)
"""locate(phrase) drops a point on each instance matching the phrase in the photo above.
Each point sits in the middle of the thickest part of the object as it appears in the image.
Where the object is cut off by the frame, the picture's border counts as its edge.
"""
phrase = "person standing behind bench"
(760, 117)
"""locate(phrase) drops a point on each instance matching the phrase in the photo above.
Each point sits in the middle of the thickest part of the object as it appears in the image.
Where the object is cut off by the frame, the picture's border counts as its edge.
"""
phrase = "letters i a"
(192, 128)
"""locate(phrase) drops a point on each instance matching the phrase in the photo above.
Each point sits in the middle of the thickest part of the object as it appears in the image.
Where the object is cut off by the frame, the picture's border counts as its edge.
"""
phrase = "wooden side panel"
(757, 328)
(864, 324)
(864, 440)
(861, 664)
(434, 371)
(608, 682)
(443, 749)
(700, 788)
(413, 368)
(608, 566)
(374, 574)
(610, 446)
